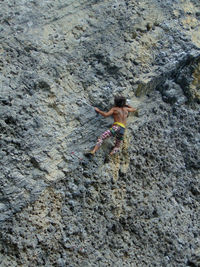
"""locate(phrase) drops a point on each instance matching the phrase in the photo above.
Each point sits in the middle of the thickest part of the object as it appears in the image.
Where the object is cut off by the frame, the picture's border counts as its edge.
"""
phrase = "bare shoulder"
(115, 109)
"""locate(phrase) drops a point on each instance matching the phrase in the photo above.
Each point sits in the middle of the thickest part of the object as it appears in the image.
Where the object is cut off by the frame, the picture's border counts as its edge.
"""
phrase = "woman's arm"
(105, 114)
(130, 109)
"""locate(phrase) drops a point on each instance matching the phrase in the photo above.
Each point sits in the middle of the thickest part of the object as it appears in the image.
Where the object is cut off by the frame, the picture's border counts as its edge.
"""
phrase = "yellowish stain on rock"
(144, 52)
(143, 87)
(195, 85)
(60, 113)
(46, 32)
(41, 215)
(1, 50)
(48, 206)
(115, 163)
(118, 196)
(187, 6)
(51, 166)
(190, 23)
(176, 13)
(125, 159)
(195, 36)
(120, 162)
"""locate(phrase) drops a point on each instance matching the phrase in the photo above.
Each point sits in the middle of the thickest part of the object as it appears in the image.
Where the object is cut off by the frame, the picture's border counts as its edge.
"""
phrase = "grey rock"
(60, 59)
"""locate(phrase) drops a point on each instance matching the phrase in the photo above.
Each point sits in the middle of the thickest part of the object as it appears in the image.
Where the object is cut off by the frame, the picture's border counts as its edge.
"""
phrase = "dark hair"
(120, 101)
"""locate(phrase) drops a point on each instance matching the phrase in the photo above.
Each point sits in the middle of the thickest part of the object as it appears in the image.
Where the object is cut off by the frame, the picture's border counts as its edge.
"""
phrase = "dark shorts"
(118, 132)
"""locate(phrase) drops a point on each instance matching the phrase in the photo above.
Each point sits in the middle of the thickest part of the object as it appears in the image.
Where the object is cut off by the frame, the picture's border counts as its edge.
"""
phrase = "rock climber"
(120, 113)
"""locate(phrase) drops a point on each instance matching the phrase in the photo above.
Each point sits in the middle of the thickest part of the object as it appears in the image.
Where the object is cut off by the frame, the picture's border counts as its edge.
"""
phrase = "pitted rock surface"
(59, 59)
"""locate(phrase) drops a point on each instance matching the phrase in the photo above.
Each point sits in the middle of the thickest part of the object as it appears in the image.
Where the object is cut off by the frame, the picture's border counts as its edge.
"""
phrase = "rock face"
(58, 59)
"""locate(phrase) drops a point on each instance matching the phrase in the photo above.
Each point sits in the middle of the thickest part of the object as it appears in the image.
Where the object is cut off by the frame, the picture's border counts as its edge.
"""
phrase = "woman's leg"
(117, 146)
(100, 140)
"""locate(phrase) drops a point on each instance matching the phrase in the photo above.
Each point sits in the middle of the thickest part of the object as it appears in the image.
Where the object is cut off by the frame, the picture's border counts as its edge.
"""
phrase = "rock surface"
(60, 58)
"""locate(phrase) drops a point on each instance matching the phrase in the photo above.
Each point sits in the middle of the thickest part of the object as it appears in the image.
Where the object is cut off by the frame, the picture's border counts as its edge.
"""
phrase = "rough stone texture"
(57, 60)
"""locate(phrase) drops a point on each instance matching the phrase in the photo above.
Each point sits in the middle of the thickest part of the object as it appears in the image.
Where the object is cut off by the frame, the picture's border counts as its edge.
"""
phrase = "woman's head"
(120, 101)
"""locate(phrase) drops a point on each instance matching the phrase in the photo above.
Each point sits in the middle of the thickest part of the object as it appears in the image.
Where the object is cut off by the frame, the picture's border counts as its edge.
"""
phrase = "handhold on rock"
(89, 154)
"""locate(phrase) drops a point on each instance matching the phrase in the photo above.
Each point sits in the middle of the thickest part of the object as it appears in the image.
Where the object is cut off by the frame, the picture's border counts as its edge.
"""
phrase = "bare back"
(120, 114)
